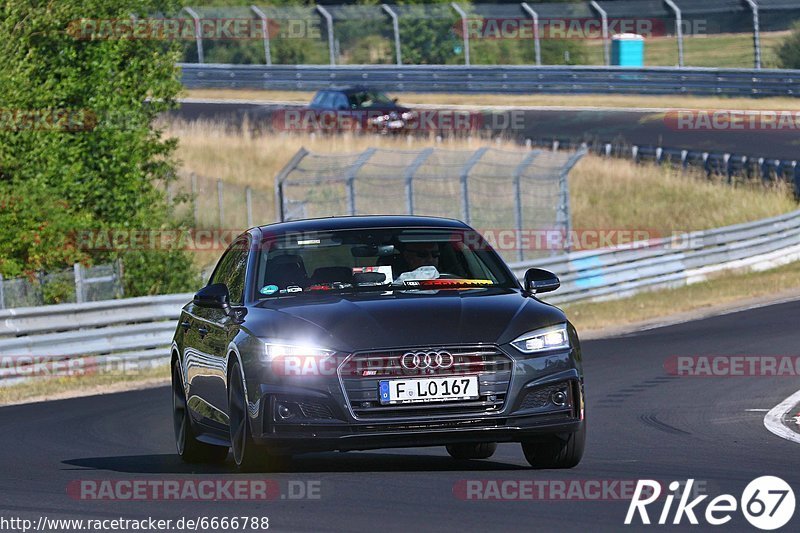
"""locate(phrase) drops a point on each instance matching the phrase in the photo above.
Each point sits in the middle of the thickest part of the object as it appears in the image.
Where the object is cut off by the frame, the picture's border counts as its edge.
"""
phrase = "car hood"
(382, 320)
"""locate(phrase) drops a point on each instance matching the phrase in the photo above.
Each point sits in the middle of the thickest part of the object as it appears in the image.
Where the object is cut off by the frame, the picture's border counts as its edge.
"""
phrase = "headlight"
(542, 340)
(409, 115)
(274, 351)
(380, 120)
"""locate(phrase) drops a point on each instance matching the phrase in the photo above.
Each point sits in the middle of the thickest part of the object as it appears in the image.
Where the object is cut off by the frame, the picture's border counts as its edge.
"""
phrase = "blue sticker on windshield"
(269, 289)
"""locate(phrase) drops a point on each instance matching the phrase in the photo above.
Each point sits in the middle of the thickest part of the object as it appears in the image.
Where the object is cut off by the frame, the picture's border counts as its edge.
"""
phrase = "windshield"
(369, 99)
(377, 259)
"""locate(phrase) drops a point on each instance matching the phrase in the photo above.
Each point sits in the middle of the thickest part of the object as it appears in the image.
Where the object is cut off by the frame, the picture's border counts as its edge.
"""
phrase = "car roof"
(363, 222)
(350, 89)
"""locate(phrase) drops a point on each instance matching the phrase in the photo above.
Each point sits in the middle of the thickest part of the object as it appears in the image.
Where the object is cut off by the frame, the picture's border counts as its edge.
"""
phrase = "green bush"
(96, 161)
(789, 50)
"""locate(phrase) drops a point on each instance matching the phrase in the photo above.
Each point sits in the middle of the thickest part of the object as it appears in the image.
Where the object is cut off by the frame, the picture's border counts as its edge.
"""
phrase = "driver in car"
(417, 260)
(418, 254)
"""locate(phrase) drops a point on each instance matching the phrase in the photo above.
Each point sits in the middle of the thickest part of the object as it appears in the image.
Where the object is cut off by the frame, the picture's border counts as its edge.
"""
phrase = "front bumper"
(322, 417)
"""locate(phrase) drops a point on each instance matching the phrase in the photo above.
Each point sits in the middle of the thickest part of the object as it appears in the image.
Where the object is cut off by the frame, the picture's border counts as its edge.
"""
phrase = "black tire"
(556, 452)
(472, 450)
(248, 456)
(189, 448)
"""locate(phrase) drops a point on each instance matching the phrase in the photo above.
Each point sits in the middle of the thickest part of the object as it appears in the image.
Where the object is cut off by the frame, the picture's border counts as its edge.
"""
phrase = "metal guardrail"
(670, 262)
(498, 79)
(140, 329)
(34, 340)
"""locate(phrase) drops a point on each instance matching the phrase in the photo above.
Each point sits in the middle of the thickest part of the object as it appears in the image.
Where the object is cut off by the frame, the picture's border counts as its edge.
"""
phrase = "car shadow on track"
(307, 463)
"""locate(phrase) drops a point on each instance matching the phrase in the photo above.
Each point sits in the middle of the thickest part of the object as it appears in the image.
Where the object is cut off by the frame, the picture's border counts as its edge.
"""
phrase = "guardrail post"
(756, 32)
(3, 294)
(726, 159)
(464, 178)
(198, 36)
(464, 29)
(606, 43)
(635, 153)
(795, 180)
(678, 29)
(79, 297)
(537, 45)
(396, 27)
(329, 21)
(264, 33)
(248, 202)
(220, 206)
(518, 221)
(409, 177)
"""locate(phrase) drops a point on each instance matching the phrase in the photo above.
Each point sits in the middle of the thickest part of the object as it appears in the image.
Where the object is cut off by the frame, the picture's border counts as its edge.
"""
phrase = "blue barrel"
(627, 50)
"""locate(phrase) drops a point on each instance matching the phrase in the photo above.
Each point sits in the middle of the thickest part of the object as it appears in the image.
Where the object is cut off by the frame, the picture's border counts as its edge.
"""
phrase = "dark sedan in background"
(361, 108)
(357, 333)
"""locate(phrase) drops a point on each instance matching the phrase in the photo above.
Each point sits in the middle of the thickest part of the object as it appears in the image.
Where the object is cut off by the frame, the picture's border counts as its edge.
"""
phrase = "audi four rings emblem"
(425, 360)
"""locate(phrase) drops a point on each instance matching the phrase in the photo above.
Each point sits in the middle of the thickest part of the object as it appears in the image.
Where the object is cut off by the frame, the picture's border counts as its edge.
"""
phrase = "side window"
(232, 269)
(318, 99)
(340, 101)
(325, 100)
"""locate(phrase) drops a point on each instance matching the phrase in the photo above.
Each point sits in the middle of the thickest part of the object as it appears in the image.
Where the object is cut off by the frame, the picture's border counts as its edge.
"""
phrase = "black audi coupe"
(354, 333)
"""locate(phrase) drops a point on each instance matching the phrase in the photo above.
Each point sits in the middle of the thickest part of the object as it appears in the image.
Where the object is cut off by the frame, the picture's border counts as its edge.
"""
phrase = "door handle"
(185, 326)
(202, 331)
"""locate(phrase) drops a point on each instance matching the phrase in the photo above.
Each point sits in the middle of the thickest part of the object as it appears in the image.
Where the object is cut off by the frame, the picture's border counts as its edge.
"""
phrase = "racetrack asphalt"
(643, 423)
(626, 127)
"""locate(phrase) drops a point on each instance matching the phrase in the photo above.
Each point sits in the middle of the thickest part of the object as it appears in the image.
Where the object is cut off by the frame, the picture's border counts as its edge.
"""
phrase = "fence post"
(194, 200)
(329, 22)
(350, 179)
(756, 33)
(248, 202)
(409, 177)
(537, 46)
(396, 27)
(604, 19)
(464, 29)
(3, 294)
(264, 33)
(280, 208)
(220, 207)
(78, 283)
(525, 163)
(473, 160)
(564, 214)
(198, 37)
(678, 29)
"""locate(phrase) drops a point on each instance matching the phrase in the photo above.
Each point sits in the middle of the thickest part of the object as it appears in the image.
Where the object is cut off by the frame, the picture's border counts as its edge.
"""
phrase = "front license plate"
(428, 389)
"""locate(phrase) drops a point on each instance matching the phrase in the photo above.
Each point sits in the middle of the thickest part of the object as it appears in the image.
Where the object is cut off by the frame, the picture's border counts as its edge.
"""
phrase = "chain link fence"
(711, 33)
(495, 191)
(76, 285)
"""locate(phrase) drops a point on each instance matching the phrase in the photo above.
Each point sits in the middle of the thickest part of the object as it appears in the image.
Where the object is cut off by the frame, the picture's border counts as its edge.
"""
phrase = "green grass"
(727, 50)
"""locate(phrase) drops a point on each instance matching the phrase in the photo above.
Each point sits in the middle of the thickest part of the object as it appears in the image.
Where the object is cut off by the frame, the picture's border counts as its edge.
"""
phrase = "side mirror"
(395, 100)
(214, 296)
(538, 280)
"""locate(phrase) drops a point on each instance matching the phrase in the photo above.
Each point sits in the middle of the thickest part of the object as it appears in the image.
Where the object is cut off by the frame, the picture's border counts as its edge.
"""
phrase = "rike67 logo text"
(767, 503)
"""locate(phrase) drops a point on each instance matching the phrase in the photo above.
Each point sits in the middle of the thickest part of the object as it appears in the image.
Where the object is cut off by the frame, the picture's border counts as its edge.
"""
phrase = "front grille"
(361, 373)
